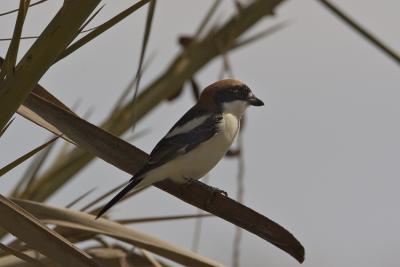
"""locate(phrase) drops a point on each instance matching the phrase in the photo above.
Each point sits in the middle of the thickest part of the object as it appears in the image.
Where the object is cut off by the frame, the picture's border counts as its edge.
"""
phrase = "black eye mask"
(239, 92)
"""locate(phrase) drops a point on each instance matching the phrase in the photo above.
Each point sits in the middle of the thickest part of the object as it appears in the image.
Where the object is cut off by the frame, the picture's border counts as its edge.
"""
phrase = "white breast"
(203, 158)
(199, 161)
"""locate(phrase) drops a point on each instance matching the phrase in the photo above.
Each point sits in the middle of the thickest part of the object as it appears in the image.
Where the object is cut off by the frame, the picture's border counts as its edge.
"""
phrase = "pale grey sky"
(322, 157)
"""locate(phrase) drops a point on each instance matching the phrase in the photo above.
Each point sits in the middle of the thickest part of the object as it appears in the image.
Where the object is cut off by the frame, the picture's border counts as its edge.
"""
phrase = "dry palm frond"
(27, 228)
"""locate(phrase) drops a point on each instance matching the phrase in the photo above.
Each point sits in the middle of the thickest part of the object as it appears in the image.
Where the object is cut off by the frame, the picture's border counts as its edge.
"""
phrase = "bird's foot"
(187, 183)
(214, 192)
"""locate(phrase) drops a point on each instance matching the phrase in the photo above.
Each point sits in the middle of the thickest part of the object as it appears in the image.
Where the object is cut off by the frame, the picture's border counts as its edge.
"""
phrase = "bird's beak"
(254, 101)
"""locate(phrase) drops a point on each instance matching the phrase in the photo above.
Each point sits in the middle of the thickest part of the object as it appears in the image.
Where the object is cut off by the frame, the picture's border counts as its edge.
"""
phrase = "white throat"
(236, 108)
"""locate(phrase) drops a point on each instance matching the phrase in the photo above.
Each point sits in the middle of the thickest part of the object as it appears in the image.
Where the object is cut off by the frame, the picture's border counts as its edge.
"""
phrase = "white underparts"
(237, 107)
(200, 160)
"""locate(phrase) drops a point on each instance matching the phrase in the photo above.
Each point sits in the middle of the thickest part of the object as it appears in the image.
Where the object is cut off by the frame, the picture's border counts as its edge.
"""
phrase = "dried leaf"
(22, 256)
(151, 258)
(84, 222)
(27, 228)
(117, 257)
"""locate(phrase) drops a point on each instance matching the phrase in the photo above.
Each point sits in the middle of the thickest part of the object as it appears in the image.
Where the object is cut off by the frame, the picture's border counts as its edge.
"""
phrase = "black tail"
(133, 182)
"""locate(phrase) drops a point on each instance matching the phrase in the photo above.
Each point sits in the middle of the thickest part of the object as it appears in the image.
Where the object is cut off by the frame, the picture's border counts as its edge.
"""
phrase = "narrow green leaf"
(23, 158)
(102, 28)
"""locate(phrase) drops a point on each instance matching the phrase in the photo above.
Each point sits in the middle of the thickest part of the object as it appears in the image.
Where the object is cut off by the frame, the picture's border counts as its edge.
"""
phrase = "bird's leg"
(214, 191)
(187, 183)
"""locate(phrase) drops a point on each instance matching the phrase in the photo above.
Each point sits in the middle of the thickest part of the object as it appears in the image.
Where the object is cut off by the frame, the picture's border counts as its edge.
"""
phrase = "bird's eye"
(243, 92)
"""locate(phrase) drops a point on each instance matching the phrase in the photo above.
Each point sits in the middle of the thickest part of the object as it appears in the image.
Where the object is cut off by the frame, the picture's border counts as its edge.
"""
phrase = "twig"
(16, 10)
(363, 32)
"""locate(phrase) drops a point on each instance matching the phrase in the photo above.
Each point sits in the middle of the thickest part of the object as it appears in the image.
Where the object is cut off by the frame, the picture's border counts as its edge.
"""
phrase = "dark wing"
(171, 147)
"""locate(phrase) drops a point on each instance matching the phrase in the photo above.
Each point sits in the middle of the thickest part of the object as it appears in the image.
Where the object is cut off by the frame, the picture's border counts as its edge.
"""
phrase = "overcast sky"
(322, 157)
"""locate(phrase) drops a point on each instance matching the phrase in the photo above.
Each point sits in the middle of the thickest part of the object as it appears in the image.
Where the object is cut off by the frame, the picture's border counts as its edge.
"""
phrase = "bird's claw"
(214, 191)
(188, 182)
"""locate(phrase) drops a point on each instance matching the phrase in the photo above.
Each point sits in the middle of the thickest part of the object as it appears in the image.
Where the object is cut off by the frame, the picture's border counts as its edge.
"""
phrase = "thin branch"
(362, 31)
(16, 10)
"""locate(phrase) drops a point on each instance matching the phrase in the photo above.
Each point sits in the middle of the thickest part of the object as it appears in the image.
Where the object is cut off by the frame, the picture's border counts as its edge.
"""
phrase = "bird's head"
(231, 96)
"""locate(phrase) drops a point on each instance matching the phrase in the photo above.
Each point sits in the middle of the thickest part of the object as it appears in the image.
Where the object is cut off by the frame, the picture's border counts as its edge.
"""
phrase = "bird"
(198, 140)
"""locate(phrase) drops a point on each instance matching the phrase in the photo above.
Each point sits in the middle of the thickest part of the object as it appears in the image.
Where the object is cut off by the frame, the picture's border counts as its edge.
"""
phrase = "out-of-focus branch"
(363, 32)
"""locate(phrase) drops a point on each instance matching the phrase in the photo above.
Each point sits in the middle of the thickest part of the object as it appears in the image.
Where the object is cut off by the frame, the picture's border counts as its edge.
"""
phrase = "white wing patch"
(187, 127)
